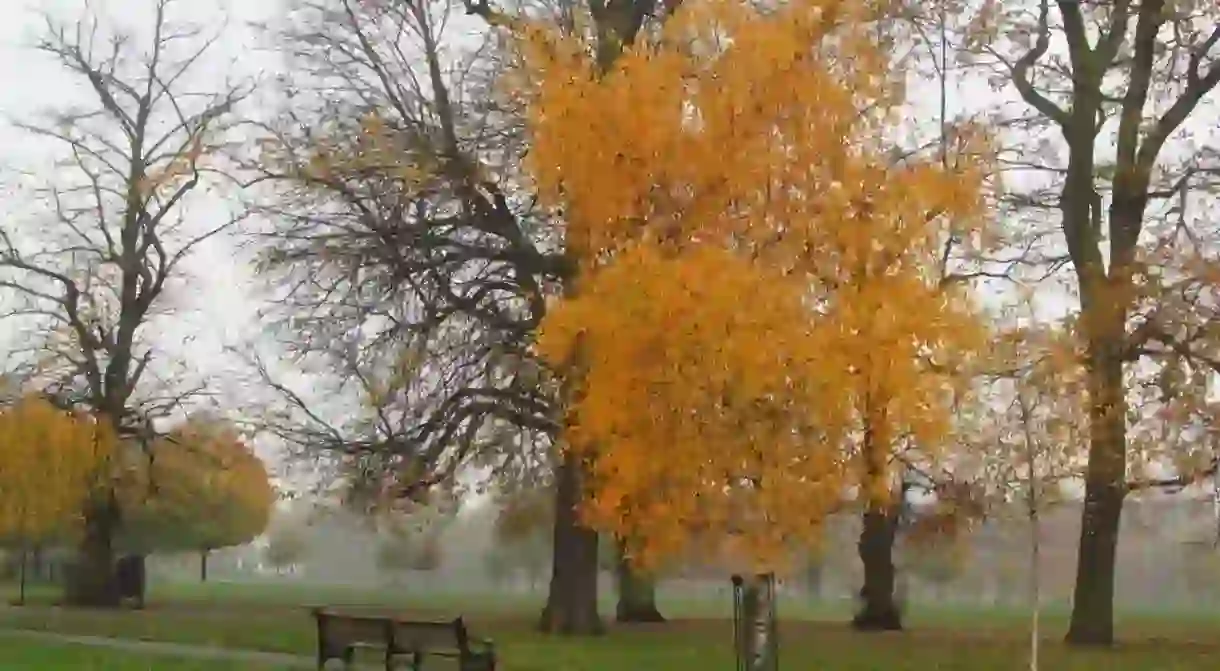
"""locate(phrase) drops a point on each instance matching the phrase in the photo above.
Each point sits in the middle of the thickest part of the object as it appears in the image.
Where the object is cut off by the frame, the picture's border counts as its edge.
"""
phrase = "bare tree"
(1110, 191)
(390, 231)
(96, 274)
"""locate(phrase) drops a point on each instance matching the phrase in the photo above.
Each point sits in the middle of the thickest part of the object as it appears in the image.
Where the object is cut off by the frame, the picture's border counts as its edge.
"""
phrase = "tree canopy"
(50, 459)
(204, 489)
(722, 308)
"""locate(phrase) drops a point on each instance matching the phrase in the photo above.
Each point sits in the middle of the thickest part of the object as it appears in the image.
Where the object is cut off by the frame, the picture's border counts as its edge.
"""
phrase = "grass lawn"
(18, 655)
(272, 619)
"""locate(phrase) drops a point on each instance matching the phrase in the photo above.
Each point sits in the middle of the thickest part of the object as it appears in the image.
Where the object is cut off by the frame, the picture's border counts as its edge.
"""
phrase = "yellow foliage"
(1025, 428)
(694, 396)
(757, 280)
(49, 461)
(203, 488)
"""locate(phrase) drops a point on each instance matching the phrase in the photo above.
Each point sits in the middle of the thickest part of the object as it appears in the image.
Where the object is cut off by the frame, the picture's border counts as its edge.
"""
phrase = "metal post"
(739, 642)
(770, 646)
(755, 634)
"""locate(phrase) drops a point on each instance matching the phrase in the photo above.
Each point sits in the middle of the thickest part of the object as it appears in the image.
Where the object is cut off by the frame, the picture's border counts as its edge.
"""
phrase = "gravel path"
(281, 660)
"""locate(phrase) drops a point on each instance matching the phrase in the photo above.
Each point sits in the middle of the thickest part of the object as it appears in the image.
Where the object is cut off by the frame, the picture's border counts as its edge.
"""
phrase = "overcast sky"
(221, 311)
(216, 310)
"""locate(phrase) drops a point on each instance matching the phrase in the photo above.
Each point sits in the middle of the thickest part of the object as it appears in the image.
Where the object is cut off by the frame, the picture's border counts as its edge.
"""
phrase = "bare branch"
(133, 159)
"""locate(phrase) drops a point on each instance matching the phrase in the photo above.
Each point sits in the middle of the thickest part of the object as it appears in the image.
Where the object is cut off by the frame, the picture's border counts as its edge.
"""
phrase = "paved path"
(281, 660)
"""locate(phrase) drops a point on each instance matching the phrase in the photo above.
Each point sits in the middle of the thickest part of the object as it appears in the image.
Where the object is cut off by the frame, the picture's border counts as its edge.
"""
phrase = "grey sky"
(216, 309)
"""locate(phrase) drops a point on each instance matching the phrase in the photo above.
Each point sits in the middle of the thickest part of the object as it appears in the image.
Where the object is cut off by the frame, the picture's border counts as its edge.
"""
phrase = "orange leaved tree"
(204, 491)
(49, 461)
(755, 283)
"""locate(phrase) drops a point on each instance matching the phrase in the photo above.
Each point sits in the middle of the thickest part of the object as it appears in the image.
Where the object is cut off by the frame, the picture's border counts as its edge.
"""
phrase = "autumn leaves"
(200, 488)
(49, 463)
(758, 282)
(203, 489)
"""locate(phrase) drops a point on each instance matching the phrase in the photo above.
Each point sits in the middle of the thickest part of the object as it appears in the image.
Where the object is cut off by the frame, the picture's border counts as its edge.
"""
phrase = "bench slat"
(339, 633)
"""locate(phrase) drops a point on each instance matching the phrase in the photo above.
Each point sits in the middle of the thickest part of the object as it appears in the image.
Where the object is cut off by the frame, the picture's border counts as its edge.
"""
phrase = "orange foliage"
(205, 489)
(1024, 429)
(693, 396)
(756, 279)
(49, 461)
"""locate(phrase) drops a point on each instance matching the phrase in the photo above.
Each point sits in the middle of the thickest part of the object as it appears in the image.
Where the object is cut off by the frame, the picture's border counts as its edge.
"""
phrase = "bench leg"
(477, 663)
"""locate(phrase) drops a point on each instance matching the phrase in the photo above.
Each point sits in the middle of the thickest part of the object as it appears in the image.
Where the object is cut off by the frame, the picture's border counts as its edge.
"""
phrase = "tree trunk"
(637, 593)
(92, 581)
(38, 567)
(1092, 620)
(813, 579)
(571, 605)
(21, 590)
(1093, 598)
(1035, 585)
(203, 565)
(878, 610)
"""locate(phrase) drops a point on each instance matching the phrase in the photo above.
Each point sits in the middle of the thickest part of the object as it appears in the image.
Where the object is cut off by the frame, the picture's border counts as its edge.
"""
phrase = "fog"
(1168, 560)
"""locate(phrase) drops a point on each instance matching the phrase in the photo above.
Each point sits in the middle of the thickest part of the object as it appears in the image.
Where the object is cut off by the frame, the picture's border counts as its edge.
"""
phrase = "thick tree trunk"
(637, 593)
(1092, 620)
(92, 582)
(1093, 598)
(571, 606)
(878, 608)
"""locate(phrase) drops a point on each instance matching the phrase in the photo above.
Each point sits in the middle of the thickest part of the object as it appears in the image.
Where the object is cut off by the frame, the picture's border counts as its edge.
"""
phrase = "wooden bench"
(341, 633)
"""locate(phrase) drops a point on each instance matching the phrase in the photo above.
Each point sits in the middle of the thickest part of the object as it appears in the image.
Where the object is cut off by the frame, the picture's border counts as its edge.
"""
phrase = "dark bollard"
(755, 637)
(738, 639)
(129, 574)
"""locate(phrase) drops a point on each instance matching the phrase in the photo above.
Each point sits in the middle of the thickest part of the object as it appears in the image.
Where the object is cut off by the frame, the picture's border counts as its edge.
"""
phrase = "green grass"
(17, 655)
(272, 618)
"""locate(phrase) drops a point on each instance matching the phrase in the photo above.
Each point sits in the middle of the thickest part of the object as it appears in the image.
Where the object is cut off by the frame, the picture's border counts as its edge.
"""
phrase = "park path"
(179, 650)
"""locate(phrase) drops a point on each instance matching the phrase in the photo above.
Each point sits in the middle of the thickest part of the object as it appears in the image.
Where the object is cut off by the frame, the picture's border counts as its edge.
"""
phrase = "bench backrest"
(429, 635)
(343, 629)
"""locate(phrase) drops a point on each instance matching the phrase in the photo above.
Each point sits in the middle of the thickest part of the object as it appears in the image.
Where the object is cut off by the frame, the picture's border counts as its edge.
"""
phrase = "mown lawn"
(274, 619)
